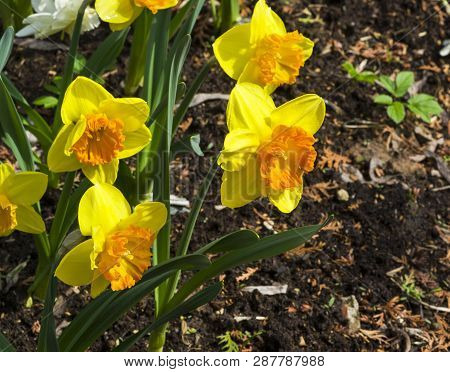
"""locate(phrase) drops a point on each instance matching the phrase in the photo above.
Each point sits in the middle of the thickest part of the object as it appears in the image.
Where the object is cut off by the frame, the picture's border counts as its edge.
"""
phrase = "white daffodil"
(53, 16)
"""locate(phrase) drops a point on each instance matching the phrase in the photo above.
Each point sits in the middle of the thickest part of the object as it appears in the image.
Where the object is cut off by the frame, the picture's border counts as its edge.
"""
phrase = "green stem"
(190, 225)
(157, 339)
(40, 283)
(136, 64)
(61, 211)
(69, 66)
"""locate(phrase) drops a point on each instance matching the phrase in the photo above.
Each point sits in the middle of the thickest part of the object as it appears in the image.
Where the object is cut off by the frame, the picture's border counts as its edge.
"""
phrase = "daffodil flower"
(262, 51)
(18, 192)
(119, 251)
(268, 149)
(122, 13)
(53, 16)
(98, 130)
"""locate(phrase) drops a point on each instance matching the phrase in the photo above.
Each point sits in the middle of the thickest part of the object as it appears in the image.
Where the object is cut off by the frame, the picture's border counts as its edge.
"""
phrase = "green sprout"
(423, 105)
(362, 76)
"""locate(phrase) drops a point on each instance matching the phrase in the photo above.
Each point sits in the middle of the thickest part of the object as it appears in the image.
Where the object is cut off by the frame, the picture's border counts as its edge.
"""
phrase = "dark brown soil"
(390, 232)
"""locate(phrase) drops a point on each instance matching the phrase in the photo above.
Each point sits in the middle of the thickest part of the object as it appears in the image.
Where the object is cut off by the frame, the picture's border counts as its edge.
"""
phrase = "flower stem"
(136, 64)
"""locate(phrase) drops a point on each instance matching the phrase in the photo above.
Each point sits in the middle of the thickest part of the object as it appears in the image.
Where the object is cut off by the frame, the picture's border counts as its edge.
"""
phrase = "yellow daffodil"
(262, 51)
(119, 251)
(268, 149)
(122, 13)
(18, 192)
(98, 130)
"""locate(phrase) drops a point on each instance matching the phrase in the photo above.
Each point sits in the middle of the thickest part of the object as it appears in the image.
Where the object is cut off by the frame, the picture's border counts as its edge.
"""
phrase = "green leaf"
(6, 44)
(199, 299)
(101, 313)
(106, 54)
(5, 345)
(268, 247)
(36, 123)
(388, 84)
(425, 106)
(403, 82)
(396, 112)
(383, 99)
(47, 336)
(347, 66)
(367, 77)
(180, 17)
(228, 14)
(46, 101)
(363, 77)
(12, 131)
(236, 240)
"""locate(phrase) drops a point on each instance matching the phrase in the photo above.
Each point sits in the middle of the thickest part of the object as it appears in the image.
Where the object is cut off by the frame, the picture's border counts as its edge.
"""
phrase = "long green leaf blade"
(5, 345)
(12, 131)
(96, 317)
(6, 45)
(264, 248)
(203, 297)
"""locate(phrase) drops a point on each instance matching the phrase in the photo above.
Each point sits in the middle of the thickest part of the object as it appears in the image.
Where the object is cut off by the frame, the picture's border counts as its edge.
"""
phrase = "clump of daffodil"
(18, 192)
(262, 51)
(98, 130)
(122, 13)
(119, 251)
(268, 149)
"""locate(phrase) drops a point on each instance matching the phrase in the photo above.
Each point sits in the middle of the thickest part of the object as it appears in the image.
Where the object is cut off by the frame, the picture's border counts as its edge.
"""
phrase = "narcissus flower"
(122, 13)
(119, 251)
(53, 16)
(262, 51)
(98, 131)
(268, 149)
(18, 192)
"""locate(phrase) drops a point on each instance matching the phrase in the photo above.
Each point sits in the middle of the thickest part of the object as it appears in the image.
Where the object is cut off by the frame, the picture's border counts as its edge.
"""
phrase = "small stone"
(302, 342)
(342, 195)
(350, 311)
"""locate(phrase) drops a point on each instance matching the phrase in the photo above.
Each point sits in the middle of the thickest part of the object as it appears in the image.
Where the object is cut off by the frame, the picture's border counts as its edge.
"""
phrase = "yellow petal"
(249, 108)
(98, 285)
(99, 236)
(265, 22)
(233, 50)
(120, 26)
(104, 173)
(286, 200)
(75, 267)
(25, 188)
(28, 220)
(307, 48)
(76, 133)
(241, 187)
(102, 205)
(148, 215)
(6, 169)
(115, 11)
(306, 112)
(239, 145)
(57, 160)
(133, 112)
(135, 142)
(82, 97)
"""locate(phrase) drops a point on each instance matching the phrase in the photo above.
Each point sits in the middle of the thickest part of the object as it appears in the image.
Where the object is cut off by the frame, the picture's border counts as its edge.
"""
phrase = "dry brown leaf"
(331, 159)
(249, 271)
